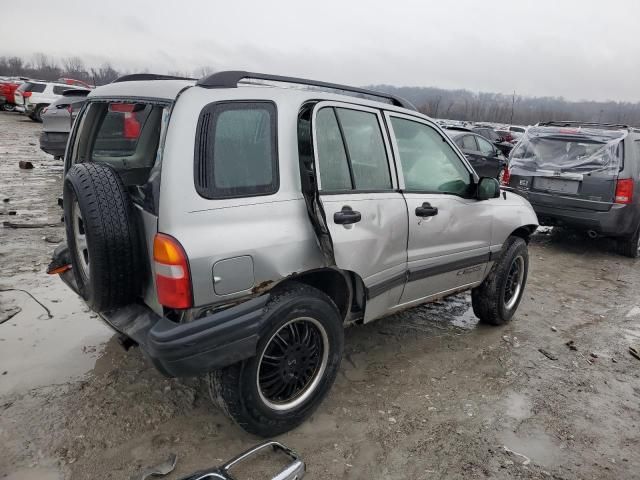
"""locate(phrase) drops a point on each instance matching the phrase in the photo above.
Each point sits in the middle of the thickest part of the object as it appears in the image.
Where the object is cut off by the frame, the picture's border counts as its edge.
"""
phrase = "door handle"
(426, 210)
(346, 216)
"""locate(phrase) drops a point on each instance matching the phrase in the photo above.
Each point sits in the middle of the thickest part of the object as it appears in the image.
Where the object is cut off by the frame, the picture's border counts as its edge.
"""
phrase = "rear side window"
(350, 151)
(469, 143)
(332, 157)
(59, 89)
(33, 87)
(236, 151)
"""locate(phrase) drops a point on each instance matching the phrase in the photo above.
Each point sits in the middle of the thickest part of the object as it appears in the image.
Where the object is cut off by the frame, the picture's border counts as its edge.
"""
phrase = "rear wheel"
(36, 116)
(496, 300)
(297, 360)
(9, 107)
(630, 246)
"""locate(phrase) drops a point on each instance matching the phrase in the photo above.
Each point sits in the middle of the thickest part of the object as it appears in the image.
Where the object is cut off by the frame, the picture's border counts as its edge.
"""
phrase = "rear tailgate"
(573, 170)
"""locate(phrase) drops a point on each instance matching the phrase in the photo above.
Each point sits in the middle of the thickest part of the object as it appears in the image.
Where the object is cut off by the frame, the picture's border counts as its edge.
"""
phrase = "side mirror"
(488, 187)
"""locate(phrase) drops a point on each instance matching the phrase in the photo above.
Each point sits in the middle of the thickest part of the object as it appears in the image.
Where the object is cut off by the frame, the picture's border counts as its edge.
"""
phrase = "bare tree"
(73, 65)
(203, 71)
(104, 74)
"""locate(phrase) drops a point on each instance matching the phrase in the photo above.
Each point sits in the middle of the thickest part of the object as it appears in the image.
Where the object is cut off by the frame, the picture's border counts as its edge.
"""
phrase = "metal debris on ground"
(293, 471)
(527, 460)
(29, 225)
(9, 314)
(160, 469)
(635, 351)
(571, 344)
(554, 329)
(28, 293)
(548, 354)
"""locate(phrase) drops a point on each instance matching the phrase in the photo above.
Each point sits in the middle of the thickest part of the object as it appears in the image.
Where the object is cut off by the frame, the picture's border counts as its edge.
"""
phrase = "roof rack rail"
(230, 79)
(139, 77)
(573, 123)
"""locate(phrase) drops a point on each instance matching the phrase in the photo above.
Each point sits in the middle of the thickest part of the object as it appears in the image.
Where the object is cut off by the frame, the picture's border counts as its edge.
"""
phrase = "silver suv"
(232, 226)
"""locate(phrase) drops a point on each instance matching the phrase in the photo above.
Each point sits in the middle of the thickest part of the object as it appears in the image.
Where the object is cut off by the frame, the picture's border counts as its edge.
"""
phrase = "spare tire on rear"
(102, 236)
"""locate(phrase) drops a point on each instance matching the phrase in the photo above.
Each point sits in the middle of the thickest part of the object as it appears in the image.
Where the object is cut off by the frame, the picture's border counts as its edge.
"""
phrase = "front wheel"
(496, 300)
(296, 362)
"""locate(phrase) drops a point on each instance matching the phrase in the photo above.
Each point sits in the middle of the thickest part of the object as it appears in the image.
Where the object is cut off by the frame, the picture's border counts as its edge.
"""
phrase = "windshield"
(555, 150)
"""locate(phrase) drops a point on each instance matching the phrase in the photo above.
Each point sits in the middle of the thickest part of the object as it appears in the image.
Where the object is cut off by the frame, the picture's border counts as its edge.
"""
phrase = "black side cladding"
(112, 236)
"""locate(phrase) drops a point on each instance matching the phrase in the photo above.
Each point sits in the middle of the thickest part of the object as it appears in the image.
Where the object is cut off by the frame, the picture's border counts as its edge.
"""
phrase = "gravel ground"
(421, 395)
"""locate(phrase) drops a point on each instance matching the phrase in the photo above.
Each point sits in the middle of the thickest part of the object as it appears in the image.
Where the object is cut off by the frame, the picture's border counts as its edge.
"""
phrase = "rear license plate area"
(556, 185)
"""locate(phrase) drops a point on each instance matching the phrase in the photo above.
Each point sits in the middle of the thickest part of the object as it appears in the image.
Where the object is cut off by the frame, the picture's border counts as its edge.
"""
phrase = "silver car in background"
(57, 120)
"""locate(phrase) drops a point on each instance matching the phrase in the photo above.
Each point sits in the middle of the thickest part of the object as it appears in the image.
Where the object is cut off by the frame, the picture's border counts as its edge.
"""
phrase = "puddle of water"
(541, 448)
(457, 311)
(37, 351)
(467, 320)
(518, 406)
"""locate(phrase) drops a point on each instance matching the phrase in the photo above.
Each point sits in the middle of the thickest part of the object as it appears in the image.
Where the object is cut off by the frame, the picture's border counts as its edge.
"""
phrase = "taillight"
(173, 282)
(131, 126)
(624, 190)
(506, 176)
(26, 94)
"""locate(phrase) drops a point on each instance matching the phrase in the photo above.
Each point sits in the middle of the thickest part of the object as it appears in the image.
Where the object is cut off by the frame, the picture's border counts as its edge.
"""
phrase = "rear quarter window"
(34, 87)
(236, 150)
(59, 89)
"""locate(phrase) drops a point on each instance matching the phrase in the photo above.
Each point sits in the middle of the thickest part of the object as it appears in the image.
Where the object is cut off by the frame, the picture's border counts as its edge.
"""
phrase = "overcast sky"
(577, 49)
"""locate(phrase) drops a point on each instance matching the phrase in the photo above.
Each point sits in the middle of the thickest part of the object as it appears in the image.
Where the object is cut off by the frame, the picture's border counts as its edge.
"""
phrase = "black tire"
(9, 107)
(235, 389)
(36, 116)
(630, 246)
(105, 269)
(491, 301)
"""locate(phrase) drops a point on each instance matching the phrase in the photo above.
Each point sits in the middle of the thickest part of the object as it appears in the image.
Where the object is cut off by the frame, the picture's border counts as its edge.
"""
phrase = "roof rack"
(139, 77)
(574, 123)
(230, 79)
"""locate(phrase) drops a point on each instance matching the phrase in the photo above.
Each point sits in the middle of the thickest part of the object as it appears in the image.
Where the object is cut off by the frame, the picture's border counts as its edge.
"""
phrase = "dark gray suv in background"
(582, 175)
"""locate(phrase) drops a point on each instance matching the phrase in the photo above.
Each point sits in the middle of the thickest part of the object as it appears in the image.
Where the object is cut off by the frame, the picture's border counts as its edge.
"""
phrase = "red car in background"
(7, 89)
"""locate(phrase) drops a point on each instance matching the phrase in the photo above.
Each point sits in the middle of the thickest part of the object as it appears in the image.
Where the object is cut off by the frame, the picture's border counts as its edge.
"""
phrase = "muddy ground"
(421, 395)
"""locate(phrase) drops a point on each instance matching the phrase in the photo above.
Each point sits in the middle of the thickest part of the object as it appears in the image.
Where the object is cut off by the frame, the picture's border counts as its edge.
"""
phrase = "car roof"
(168, 88)
(161, 89)
(457, 128)
(457, 133)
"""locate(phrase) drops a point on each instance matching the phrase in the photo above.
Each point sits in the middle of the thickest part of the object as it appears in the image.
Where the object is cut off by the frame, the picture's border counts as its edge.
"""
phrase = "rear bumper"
(620, 221)
(54, 143)
(187, 349)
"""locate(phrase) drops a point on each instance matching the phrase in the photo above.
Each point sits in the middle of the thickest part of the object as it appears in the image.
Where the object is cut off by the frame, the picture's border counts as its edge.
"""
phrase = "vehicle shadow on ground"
(568, 241)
